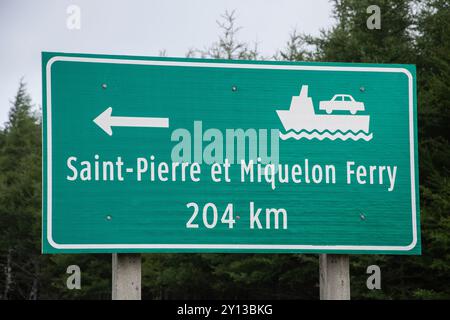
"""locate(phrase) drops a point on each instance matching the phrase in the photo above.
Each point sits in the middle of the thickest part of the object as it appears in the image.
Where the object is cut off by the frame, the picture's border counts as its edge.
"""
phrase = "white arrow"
(105, 121)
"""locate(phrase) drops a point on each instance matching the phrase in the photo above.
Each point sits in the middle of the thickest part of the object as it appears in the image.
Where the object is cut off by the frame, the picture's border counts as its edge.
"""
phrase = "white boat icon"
(303, 120)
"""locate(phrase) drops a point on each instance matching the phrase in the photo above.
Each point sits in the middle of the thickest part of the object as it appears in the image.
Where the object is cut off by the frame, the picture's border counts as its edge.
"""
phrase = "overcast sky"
(138, 27)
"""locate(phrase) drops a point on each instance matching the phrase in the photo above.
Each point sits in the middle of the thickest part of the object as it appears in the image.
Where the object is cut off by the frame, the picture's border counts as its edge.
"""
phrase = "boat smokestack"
(304, 92)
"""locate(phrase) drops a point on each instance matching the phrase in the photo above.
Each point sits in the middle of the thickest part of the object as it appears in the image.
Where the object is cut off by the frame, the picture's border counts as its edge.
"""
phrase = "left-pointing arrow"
(106, 121)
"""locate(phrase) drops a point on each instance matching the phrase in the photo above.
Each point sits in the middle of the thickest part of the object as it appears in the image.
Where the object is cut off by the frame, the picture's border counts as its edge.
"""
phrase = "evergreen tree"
(228, 46)
(20, 200)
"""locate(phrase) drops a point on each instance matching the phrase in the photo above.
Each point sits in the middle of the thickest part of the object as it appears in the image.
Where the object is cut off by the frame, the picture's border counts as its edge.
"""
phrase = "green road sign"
(187, 155)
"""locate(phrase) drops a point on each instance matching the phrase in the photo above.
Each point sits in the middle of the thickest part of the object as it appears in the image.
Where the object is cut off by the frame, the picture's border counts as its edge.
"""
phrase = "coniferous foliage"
(20, 200)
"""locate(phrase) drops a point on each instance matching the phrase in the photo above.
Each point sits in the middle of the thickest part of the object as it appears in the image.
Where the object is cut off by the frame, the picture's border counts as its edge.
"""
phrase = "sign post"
(126, 276)
(334, 271)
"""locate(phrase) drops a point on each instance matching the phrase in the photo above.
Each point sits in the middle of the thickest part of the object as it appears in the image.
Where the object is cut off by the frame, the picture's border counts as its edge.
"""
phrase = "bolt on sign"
(190, 155)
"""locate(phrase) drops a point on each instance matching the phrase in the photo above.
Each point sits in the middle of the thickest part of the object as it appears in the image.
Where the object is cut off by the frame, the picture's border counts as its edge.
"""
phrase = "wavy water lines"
(360, 135)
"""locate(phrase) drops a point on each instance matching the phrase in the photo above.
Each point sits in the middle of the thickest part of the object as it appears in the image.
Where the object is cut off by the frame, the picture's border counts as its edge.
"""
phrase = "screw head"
(362, 216)
(362, 89)
(108, 217)
(234, 88)
(104, 86)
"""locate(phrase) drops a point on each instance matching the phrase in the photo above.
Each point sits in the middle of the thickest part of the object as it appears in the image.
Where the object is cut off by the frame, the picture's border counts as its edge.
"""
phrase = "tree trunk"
(35, 284)
(8, 275)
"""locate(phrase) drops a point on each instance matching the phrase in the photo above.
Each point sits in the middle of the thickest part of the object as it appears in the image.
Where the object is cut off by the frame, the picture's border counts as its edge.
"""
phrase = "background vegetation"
(414, 32)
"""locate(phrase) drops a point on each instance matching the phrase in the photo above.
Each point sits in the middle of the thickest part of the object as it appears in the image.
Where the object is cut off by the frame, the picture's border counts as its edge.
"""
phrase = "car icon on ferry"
(342, 102)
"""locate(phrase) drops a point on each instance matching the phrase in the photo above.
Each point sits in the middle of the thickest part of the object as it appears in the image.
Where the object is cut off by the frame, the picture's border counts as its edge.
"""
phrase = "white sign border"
(224, 246)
